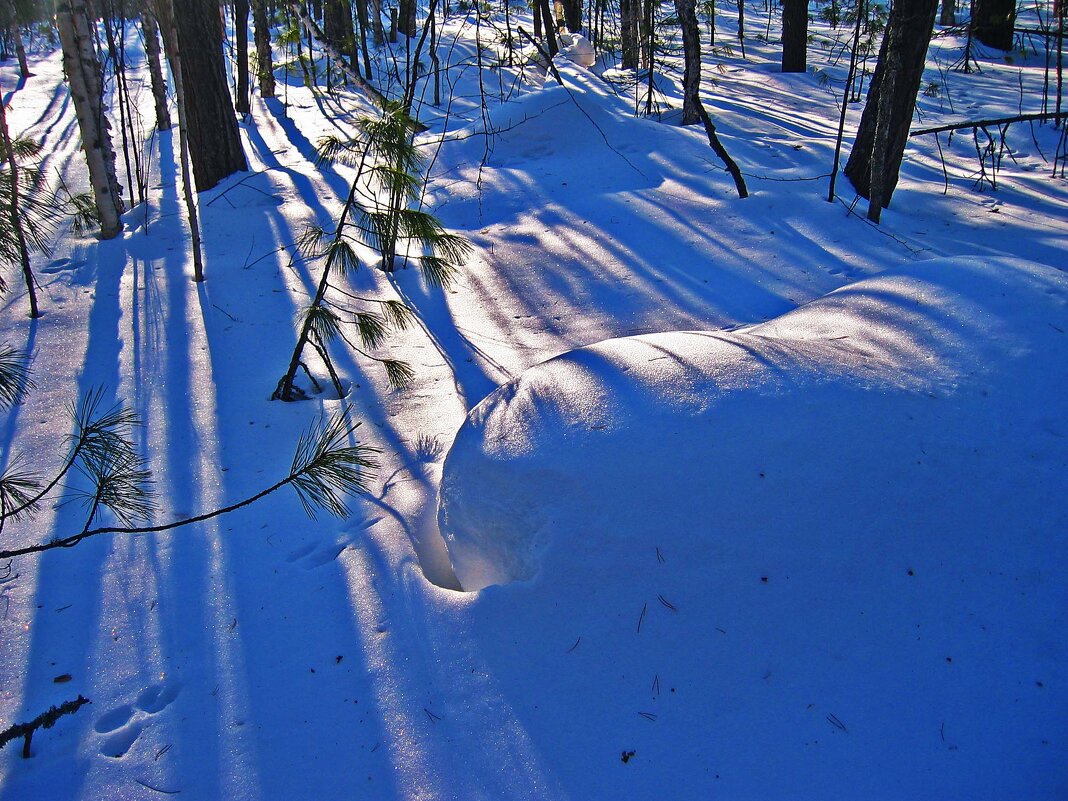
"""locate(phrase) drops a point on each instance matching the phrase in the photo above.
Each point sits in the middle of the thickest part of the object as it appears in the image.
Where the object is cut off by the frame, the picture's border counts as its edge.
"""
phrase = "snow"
(628, 348)
(837, 421)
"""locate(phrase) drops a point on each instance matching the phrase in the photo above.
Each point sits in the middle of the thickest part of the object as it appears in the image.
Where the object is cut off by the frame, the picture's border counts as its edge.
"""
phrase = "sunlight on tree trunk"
(86, 89)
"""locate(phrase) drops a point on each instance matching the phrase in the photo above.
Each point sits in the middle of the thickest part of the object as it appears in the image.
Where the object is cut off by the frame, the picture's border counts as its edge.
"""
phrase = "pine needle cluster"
(381, 214)
(329, 465)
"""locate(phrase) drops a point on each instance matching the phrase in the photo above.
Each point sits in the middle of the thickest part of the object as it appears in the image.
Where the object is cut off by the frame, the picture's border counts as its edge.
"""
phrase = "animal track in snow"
(124, 724)
(313, 554)
(157, 697)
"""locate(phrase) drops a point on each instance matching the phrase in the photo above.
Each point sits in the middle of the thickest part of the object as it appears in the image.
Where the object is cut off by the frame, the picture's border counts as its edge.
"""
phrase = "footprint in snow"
(157, 697)
(124, 724)
(310, 557)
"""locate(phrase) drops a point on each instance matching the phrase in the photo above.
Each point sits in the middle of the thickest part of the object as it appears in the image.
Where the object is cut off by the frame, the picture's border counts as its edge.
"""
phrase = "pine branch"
(15, 378)
(325, 467)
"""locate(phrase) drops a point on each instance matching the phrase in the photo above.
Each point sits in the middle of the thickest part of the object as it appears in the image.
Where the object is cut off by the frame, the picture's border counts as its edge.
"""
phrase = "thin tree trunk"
(241, 10)
(629, 13)
(264, 57)
(361, 15)
(691, 47)
(150, 29)
(376, 22)
(846, 93)
(86, 89)
(721, 151)
(15, 214)
(15, 34)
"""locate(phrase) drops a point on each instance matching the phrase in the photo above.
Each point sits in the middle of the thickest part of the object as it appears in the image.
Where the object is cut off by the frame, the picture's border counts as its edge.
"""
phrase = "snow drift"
(918, 409)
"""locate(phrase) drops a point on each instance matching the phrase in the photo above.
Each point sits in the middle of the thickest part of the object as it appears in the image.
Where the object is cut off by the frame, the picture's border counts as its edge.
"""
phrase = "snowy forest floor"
(268, 656)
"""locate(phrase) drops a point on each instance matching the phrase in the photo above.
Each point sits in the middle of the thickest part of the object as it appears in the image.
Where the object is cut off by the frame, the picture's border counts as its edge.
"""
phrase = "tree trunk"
(406, 17)
(86, 89)
(794, 35)
(949, 13)
(214, 141)
(550, 28)
(908, 32)
(264, 57)
(573, 15)
(15, 214)
(241, 35)
(150, 28)
(361, 15)
(165, 15)
(339, 31)
(379, 33)
(993, 21)
(15, 35)
(630, 12)
(691, 47)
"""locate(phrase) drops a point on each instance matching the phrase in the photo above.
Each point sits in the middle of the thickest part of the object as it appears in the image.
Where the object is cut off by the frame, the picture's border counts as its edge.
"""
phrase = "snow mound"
(577, 48)
(923, 405)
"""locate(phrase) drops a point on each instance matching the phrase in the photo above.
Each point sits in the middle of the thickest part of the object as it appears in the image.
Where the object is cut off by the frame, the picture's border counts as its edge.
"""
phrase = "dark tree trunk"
(339, 31)
(264, 59)
(908, 33)
(630, 12)
(993, 22)
(361, 15)
(691, 47)
(949, 13)
(550, 29)
(150, 29)
(406, 17)
(241, 35)
(573, 15)
(214, 141)
(794, 35)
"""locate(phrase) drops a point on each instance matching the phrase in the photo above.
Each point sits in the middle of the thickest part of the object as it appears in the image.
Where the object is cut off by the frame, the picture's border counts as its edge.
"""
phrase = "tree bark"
(378, 31)
(15, 35)
(794, 35)
(908, 32)
(993, 21)
(573, 15)
(691, 47)
(949, 13)
(264, 57)
(164, 10)
(15, 213)
(630, 12)
(339, 31)
(86, 89)
(241, 35)
(214, 142)
(406, 18)
(150, 28)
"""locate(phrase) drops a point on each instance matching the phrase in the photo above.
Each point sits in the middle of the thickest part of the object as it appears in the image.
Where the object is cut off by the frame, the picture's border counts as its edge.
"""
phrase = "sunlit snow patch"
(914, 406)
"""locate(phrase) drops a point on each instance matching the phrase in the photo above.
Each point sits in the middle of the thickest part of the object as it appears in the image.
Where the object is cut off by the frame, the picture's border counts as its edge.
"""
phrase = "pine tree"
(377, 213)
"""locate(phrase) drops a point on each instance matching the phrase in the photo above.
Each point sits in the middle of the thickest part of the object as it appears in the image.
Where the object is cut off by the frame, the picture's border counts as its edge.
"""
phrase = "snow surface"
(922, 405)
(266, 656)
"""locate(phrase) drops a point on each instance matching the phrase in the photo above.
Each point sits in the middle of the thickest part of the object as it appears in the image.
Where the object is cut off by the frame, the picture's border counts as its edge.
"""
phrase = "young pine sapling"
(378, 214)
